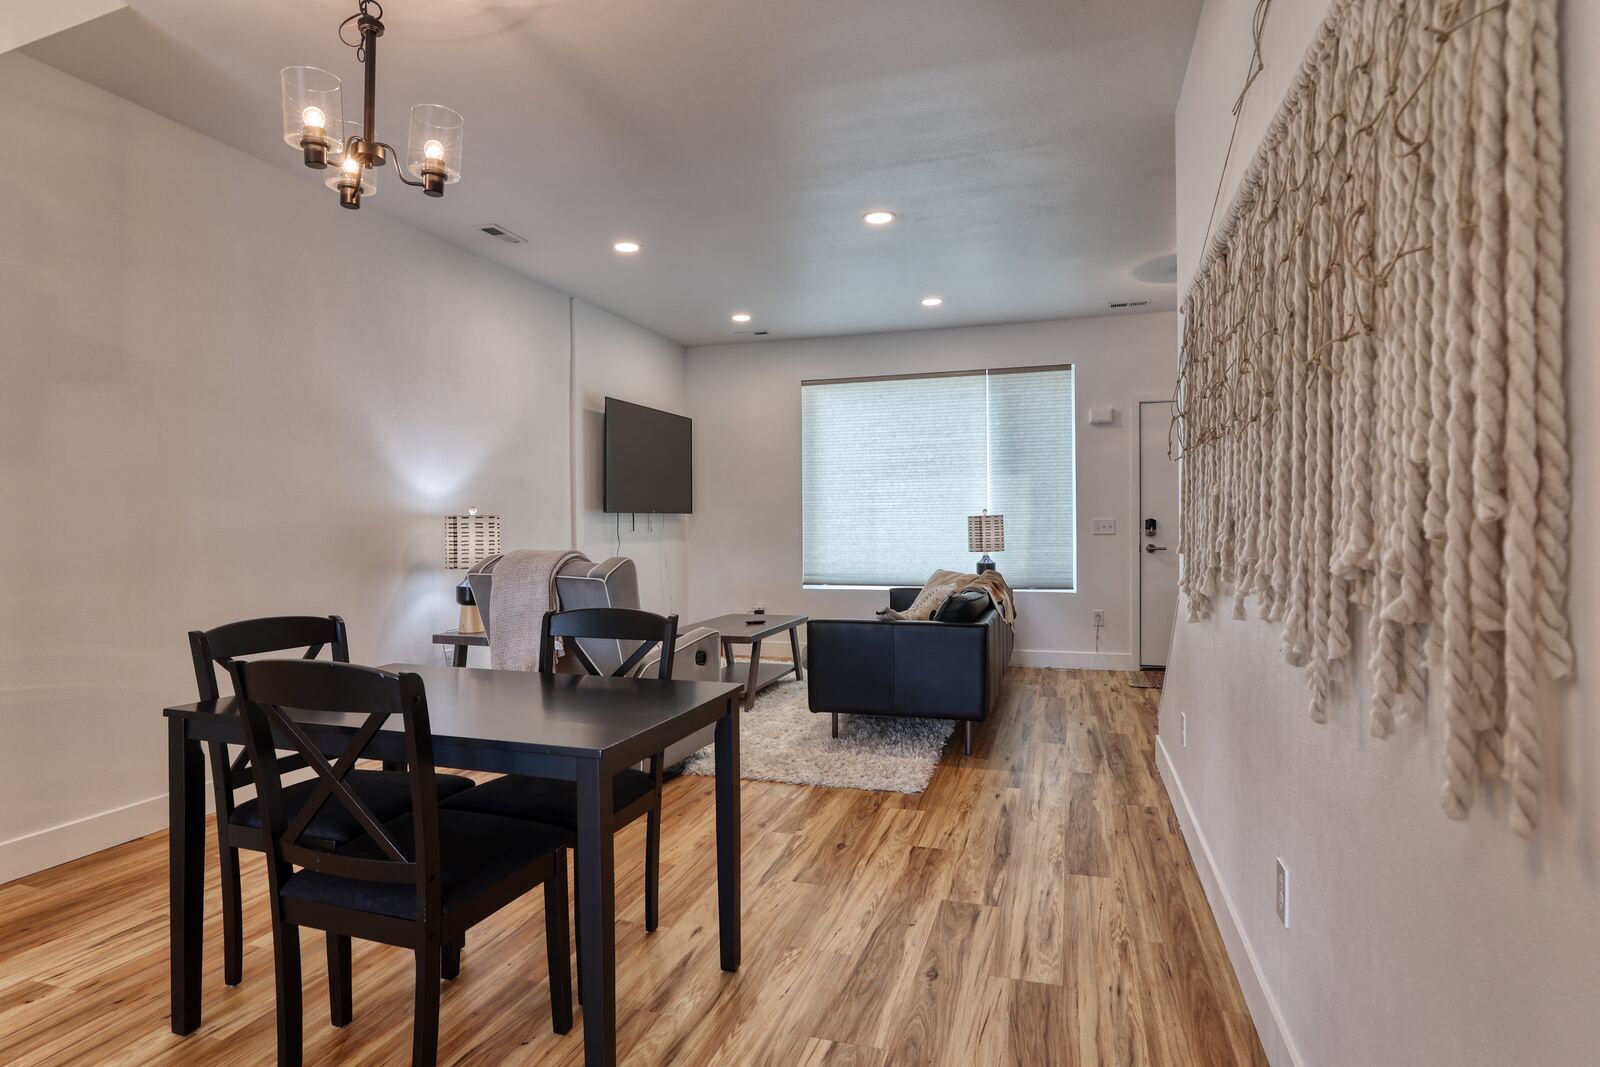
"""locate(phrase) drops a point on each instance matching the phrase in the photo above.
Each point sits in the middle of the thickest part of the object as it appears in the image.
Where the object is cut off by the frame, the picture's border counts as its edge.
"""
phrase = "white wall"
(25, 21)
(613, 357)
(1415, 940)
(226, 397)
(745, 399)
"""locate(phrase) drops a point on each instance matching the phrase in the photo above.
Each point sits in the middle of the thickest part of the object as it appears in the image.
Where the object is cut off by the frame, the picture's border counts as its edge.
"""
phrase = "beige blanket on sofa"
(945, 584)
(524, 589)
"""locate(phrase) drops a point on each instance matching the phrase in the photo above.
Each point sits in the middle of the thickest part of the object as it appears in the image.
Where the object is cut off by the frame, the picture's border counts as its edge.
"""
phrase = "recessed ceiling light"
(878, 218)
(743, 316)
(932, 301)
(627, 248)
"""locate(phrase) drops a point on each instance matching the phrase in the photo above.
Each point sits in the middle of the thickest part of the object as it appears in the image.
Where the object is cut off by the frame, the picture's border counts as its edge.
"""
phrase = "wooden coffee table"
(751, 629)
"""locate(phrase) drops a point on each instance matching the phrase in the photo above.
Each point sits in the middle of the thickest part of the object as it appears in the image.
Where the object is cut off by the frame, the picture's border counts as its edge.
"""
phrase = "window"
(892, 467)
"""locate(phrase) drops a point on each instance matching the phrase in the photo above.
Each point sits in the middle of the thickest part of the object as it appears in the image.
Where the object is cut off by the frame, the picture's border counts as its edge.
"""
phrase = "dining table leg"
(728, 840)
(597, 931)
(186, 852)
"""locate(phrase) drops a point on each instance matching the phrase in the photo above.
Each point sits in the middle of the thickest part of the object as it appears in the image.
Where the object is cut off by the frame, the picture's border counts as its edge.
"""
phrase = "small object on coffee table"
(742, 630)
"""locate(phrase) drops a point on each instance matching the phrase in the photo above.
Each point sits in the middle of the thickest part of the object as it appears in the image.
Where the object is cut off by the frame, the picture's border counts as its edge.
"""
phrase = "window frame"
(1071, 368)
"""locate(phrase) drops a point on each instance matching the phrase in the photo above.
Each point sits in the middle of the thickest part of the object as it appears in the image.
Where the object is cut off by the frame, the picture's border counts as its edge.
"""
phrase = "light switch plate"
(1102, 416)
(1105, 526)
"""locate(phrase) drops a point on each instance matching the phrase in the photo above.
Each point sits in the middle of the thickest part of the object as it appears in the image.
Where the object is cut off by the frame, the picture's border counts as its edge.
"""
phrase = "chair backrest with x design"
(286, 704)
(612, 624)
(221, 646)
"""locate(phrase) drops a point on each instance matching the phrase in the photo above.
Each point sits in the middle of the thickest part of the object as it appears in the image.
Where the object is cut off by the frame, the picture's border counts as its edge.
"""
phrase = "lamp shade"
(433, 145)
(986, 533)
(313, 117)
(469, 539)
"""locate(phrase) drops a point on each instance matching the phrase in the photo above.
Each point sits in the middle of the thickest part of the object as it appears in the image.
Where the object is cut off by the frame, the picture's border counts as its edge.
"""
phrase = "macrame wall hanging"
(1370, 404)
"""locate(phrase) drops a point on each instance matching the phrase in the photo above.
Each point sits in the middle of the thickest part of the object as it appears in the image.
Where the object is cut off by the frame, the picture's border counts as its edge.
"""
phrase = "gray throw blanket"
(524, 589)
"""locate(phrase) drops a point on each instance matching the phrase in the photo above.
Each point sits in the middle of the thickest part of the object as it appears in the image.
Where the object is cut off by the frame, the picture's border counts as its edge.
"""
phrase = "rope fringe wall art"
(1370, 404)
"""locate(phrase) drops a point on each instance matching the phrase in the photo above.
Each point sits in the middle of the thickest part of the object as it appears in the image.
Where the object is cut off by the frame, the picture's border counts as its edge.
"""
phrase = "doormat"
(1146, 679)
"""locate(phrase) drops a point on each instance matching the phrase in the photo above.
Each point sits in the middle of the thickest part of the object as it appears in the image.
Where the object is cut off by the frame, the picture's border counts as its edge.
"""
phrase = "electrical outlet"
(1103, 527)
(1183, 729)
(1099, 616)
(1283, 894)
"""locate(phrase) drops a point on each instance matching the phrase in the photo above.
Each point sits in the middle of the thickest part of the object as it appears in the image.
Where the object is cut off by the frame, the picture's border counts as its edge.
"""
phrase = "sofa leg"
(835, 725)
(969, 738)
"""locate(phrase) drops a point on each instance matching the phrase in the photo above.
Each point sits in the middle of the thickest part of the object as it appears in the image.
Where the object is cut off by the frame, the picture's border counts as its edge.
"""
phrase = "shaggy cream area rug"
(783, 740)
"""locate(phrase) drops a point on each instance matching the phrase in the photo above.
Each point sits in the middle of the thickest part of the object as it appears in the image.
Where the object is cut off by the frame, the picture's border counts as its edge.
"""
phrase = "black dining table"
(574, 727)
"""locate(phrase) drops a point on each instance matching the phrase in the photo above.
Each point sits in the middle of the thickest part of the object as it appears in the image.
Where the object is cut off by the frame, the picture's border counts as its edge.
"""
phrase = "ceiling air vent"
(1127, 303)
(500, 233)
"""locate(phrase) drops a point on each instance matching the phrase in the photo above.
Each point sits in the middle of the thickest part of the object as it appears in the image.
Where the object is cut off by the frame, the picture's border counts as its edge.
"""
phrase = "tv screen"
(647, 460)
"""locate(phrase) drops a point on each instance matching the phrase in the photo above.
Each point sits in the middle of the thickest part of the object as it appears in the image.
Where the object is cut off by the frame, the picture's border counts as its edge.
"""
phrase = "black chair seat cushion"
(967, 606)
(547, 800)
(387, 793)
(475, 852)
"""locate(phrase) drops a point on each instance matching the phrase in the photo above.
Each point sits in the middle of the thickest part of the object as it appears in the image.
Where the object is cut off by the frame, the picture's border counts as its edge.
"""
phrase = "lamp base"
(471, 620)
(985, 564)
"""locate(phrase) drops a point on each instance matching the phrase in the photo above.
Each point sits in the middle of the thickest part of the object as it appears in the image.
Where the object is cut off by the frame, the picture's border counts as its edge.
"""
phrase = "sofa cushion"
(967, 606)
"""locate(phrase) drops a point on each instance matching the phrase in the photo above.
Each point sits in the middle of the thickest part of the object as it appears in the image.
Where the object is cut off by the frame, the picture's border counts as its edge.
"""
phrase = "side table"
(462, 642)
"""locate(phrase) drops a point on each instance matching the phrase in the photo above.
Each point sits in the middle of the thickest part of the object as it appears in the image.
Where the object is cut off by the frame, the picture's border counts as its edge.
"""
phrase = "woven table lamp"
(468, 540)
(986, 533)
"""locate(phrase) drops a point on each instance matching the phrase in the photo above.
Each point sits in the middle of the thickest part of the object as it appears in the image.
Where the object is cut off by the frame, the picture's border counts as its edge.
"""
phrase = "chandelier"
(313, 122)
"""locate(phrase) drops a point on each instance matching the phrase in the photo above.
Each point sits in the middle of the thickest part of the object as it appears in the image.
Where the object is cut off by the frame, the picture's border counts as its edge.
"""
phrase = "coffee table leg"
(755, 669)
(794, 646)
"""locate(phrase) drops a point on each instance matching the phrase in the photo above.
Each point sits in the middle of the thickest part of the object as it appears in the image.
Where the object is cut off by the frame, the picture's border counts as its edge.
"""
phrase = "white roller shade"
(892, 467)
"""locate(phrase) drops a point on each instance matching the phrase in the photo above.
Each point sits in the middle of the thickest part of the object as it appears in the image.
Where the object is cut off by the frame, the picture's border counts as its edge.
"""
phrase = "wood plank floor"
(1036, 905)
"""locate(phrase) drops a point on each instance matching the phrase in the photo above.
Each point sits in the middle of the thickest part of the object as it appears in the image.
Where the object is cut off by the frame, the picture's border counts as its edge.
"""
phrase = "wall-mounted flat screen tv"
(647, 460)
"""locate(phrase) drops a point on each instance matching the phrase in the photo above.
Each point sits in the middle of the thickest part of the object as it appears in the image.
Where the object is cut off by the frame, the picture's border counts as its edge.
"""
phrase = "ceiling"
(1025, 145)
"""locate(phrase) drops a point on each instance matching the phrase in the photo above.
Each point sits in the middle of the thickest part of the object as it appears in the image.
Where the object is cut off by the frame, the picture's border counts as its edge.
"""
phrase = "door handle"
(1155, 548)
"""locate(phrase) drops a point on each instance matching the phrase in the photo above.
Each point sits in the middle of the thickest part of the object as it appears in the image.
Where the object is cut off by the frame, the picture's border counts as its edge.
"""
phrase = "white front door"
(1157, 534)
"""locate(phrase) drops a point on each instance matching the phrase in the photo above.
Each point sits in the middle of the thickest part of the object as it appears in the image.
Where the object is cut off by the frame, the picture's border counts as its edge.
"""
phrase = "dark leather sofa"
(927, 670)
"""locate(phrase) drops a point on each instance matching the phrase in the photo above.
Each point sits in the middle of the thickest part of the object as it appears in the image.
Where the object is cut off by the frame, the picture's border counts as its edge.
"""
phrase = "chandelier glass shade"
(313, 116)
(314, 124)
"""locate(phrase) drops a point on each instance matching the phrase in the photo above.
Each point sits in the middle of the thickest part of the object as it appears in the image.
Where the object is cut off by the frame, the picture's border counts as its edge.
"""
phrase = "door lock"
(1155, 548)
(1149, 527)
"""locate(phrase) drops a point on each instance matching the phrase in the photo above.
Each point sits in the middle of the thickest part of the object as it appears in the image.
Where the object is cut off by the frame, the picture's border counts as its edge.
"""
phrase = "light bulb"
(314, 118)
(741, 317)
(433, 150)
(878, 218)
(351, 165)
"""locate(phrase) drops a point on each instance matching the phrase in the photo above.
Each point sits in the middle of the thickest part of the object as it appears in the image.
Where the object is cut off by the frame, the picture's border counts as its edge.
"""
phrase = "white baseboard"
(55, 845)
(1072, 661)
(1269, 1023)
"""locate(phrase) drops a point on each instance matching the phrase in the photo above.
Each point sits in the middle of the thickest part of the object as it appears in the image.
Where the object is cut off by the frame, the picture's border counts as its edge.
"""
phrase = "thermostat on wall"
(1102, 416)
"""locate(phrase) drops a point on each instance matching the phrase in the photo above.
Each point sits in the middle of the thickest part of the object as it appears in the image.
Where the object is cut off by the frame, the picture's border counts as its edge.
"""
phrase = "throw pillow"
(967, 606)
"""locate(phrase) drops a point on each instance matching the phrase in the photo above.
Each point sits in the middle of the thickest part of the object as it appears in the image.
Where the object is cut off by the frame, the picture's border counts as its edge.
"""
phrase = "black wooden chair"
(418, 881)
(634, 792)
(387, 793)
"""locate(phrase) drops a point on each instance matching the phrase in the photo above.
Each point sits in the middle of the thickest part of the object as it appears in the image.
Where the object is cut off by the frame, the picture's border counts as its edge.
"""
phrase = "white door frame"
(1136, 527)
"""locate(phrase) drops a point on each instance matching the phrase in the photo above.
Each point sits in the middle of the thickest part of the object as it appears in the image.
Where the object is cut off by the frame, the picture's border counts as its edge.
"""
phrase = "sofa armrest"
(902, 597)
